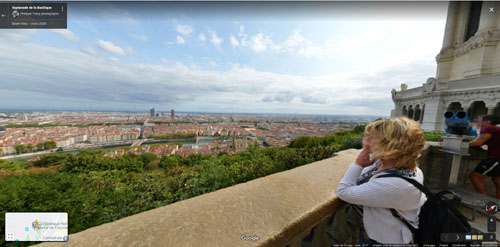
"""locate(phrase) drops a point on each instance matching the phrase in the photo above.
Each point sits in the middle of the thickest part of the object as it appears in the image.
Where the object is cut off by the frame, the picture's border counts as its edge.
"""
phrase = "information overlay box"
(33, 15)
(36, 227)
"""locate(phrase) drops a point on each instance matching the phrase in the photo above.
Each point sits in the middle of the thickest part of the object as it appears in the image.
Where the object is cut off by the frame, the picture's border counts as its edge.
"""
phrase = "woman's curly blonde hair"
(397, 138)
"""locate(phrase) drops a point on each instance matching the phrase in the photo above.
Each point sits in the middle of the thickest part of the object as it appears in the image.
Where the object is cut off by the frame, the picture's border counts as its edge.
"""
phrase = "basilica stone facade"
(468, 69)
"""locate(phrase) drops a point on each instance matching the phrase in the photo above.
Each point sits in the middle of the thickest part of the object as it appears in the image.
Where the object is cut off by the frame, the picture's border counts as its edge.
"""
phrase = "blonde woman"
(394, 146)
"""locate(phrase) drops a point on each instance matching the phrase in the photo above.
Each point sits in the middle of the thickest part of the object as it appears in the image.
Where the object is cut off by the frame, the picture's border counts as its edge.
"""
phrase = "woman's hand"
(364, 157)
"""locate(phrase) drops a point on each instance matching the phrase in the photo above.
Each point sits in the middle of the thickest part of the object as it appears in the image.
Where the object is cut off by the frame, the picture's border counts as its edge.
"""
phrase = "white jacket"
(377, 196)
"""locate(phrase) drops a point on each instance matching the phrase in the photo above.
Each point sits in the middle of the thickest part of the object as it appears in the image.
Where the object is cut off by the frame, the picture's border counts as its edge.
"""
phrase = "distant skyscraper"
(172, 113)
(152, 112)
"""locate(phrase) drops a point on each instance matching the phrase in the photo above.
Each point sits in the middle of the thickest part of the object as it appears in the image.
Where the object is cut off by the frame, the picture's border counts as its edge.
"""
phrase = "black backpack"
(437, 215)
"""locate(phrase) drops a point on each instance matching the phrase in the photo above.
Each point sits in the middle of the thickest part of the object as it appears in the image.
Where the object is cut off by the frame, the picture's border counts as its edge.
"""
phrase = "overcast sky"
(286, 57)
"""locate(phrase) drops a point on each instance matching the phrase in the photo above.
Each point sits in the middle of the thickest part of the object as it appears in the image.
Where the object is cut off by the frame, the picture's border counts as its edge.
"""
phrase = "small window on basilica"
(473, 22)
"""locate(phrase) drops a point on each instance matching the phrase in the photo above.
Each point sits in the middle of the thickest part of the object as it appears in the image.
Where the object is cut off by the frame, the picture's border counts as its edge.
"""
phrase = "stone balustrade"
(413, 92)
(436, 166)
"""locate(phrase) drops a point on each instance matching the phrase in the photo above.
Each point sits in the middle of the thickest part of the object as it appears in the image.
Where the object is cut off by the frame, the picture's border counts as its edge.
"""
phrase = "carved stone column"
(466, 105)
(491, 109)
(488, 19)
(449, 33)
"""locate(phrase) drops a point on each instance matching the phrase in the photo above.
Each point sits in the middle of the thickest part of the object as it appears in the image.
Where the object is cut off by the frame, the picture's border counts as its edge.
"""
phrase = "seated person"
(394, 145)
(489, 167)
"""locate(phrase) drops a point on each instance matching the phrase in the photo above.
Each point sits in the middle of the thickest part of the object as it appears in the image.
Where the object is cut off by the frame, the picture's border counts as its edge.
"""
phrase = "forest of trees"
(38, 147)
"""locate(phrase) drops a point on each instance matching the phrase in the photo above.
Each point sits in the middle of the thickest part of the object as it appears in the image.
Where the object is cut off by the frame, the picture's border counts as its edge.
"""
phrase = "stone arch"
(476, 109)
(404, 111)
(454, 107)
(496, 111)
(410, 112)
(418, 111)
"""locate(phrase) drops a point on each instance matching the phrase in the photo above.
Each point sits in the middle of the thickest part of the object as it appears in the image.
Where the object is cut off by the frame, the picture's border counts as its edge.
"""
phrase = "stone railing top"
(274, 208)
(436, 147)
(409, 92)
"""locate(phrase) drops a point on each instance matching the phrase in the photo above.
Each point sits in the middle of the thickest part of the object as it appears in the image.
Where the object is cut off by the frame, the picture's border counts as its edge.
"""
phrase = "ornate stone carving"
(430, 85)
(466, 104)
(478, 41)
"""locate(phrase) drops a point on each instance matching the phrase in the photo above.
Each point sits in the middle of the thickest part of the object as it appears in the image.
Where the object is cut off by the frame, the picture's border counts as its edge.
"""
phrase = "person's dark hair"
(494, 120)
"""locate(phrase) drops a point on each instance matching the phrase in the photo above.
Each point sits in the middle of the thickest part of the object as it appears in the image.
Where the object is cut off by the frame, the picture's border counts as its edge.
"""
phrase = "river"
(190, 142)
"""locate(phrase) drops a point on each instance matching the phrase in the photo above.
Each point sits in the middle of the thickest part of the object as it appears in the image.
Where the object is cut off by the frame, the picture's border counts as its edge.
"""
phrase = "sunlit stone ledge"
(276, 210)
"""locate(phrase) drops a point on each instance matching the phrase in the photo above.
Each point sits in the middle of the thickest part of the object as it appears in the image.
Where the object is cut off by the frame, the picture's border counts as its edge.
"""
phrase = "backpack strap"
(419, 186)
(397, 215)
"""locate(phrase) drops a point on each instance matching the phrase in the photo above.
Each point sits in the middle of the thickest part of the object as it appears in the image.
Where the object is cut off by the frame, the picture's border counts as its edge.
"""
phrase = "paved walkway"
(473, 206)
(26, 154)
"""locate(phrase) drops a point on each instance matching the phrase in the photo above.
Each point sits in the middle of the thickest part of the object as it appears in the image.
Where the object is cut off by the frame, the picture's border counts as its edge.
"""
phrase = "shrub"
(14, 165)
(95, 189)
(352, 142)
(433, 136)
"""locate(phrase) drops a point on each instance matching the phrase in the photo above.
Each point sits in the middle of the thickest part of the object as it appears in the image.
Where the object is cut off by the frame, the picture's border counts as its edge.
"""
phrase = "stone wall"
(281, 209)
(436, 168)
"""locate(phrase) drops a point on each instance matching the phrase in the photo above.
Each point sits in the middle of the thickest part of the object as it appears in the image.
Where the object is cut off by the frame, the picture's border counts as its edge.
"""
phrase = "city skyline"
(166, 112)
(131, 57)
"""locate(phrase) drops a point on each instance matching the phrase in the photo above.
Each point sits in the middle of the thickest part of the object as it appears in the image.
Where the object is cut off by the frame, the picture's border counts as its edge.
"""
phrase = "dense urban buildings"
(179, 133)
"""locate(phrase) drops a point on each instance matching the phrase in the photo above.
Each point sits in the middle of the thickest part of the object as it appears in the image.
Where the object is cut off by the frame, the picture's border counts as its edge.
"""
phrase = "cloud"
(347, 46)
(281, 97)
(65, 33)
(184, 29)
(314, 100)
(243, 36)
(110, 47)
(260, 43)
(141, 37)
(111, 10)
(17, 35)
(311, 51)
(202, 37)
(295, 39)
(179, 40)
(234, 41)
(76, 78)
(215, 39)
(87, 49)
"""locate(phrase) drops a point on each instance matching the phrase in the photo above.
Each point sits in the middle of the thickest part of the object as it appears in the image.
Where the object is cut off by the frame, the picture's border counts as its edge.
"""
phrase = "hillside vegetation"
(94, 189)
